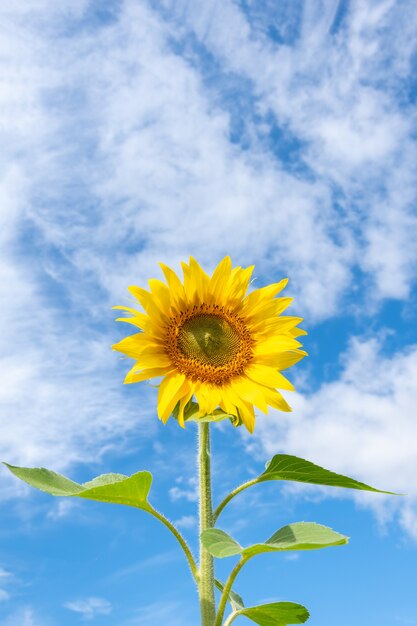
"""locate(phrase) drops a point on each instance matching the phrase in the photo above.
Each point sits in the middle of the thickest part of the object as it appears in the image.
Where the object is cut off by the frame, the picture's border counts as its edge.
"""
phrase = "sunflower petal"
(220, 278)
(281, 360)
(137, 374)
(268, 376)
(247, 415)
(169, 390)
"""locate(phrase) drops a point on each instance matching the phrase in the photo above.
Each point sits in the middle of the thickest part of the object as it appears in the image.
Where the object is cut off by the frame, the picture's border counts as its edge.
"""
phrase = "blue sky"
(283, 134)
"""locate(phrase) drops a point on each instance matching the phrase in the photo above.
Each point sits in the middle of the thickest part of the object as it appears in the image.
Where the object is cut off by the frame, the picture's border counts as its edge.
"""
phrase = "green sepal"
(234, 598)
(115, 488)
(276, 614)
(287, 467)
(297, 536)
(191, 412)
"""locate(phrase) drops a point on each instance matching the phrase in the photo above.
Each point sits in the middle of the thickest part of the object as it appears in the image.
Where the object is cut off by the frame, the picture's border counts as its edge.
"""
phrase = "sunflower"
(210, 340)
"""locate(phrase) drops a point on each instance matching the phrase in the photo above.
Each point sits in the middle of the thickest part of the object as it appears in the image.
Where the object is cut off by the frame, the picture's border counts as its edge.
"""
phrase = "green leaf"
(276, 614)
(287, 467)
(219, 543)
(297, 536)
(235, 600)
(116, 488)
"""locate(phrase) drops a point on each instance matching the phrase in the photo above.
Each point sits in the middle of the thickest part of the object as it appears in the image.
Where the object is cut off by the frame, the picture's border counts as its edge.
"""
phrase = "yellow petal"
(281, 360)
(268, 376)
(239, 285)
(220, 279)
(137, 374)
(161, 293)
(200, 279)
(280, 343)
(276, 401)
(183, 402)
(169, 394)
(281, 324)
(149, 360)
(264, 294)
(298, 332)
(208, 398)
(228, 400)
(252, 393)
(174, 283)
(247, 414)
(190, 288)
(150, 304)
(268, 308)
(133, 345)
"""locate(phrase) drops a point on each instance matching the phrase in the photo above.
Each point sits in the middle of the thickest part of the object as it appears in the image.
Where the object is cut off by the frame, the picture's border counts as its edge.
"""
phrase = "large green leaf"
(287, 467)
(219, 543)
(297, 536)
(116, 488)
(235, 600)
(276, 614)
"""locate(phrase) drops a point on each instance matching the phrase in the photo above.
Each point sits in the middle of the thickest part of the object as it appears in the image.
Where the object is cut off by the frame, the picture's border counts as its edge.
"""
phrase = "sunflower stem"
(206, 582)
(227, 589)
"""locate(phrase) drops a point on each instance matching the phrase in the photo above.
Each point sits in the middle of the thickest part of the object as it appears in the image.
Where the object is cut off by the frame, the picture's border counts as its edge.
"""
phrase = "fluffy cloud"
(362, 424)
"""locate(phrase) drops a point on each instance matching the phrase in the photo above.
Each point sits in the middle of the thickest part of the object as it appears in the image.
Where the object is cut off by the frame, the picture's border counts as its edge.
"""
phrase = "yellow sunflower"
(208, 339)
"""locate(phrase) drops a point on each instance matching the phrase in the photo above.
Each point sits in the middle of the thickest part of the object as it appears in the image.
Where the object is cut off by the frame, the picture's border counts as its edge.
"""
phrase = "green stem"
(206, 584)
(231, 618)
(231, 495)
(227, 588)
(181, 541)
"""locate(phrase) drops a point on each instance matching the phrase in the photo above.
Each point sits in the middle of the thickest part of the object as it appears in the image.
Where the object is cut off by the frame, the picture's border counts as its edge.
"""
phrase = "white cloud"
(25, 617)
(61, 509)
(362, 425)
(185, 488)
(90, 607)
(342, 94)
(187, 521)
(4, 574)
(5, 579)
(167, 613)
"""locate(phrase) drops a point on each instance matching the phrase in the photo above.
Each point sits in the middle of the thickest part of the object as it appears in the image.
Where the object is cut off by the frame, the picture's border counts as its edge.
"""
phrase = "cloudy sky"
(283, 133)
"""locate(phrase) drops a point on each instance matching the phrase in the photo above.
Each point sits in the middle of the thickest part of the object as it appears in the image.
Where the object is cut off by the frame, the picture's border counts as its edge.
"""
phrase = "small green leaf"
(116, 488)
(297, 536)
(276, 614)
(219, 543)
(287, 467)
(235, 600)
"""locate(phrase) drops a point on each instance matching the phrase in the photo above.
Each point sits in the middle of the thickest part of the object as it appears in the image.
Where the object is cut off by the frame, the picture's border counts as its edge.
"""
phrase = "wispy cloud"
(26, 617)
(156, 561)
(168, 613)
(6, 578)
(90, 608)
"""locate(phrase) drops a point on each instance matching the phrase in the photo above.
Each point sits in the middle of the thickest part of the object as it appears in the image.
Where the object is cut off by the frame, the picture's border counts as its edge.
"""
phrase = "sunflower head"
(210, 340)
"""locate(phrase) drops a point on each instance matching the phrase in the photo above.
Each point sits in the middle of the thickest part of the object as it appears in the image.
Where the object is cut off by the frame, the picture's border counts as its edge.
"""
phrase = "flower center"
(209, 339)
(208, 343)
